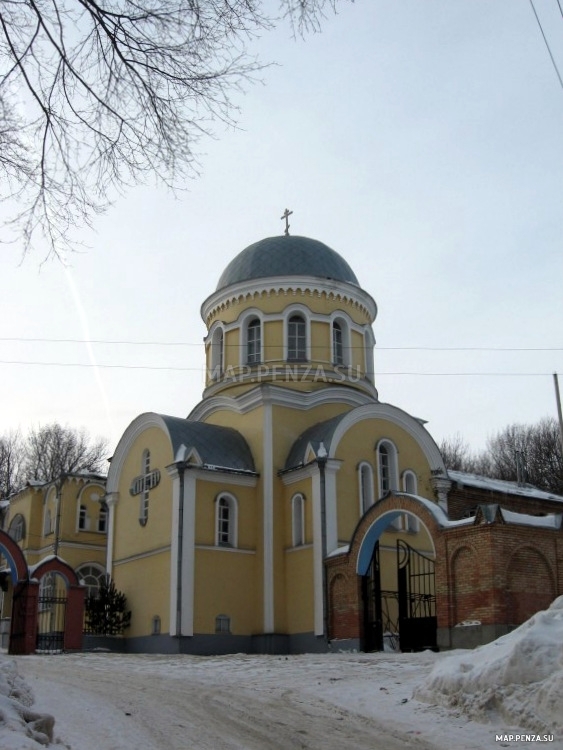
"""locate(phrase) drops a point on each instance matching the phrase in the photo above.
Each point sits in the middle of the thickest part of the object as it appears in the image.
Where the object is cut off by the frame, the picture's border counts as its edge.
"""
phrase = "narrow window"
(384, 469)
(337, 344)
(366, 487)
(296, 339)
(217, 356)
(48, 521)
(298, 520)
(409, 482)
(82, 518)
(103, 520)
(226, 521)
(387, 467)
(253, 342)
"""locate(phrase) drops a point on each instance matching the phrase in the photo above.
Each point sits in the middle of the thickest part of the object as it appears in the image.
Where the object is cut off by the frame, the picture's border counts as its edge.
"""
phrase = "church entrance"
(401, 616)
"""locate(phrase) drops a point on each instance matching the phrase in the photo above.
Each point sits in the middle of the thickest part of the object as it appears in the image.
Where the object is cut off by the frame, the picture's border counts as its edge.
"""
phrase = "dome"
(287, 255)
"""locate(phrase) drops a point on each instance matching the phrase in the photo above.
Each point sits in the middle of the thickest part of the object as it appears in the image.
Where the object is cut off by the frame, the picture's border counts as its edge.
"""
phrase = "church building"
(292, 511)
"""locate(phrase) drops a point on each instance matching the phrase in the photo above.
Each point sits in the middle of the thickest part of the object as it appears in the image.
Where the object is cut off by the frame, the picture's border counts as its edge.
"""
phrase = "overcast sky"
(420, 139)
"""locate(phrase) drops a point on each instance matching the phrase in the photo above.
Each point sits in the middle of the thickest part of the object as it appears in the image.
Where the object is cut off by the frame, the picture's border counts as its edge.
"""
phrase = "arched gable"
(56, 565)
(398, 417)
(13, 554)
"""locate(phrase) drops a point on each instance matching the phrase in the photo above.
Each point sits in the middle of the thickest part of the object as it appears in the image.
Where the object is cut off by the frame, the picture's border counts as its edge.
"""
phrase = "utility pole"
(560, 416)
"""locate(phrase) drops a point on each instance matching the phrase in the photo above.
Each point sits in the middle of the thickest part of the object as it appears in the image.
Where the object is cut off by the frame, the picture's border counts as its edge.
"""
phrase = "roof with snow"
(464, 479)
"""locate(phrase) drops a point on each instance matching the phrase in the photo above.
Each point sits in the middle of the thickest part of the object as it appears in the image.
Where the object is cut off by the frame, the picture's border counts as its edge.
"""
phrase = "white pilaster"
(268, 512)
(111, 499)
(187, 570)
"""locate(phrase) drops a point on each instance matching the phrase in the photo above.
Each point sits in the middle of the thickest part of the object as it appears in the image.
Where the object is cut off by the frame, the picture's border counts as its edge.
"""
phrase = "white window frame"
(255, 341)
(410, 477)
(344, 360)
(390, 482)
(217, 357)
(231, 537)
(83, 520)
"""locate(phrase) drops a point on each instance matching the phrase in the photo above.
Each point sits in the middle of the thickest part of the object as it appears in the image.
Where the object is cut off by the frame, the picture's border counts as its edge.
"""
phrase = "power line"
(279, 372)
(547, 43)
(128, 342)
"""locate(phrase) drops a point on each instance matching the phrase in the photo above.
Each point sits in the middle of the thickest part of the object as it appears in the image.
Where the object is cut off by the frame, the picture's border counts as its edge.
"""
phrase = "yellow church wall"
(29, 504)
(273, 341)
(357, 353)
(276, 303)
(206, 498)
(130, 536)
(218, 590)
(299, 592)
(145, 584)
(365, 435)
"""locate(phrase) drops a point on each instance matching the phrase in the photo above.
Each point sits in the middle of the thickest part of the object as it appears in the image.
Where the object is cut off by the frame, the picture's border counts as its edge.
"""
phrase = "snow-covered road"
(334, 702)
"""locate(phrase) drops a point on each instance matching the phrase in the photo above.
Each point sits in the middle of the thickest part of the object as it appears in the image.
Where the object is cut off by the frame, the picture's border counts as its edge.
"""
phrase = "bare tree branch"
(97, 95)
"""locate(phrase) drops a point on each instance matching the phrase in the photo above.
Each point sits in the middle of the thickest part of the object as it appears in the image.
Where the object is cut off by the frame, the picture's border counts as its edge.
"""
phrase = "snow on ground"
(453, 700)
(518, 677)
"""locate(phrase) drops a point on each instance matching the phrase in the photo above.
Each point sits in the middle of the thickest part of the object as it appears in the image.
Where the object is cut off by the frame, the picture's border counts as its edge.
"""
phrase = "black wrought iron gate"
(371, 594)
(51, 623)
(417, 599)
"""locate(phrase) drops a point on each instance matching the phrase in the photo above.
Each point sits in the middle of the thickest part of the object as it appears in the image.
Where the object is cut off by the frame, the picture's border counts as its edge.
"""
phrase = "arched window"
(296, 339)
(387, 467)
(337, 344)
(47, 523)
(253, 342)
(409, 482)
(298, 520)
(217, 354)
(226, 521)
(365, 479)
(91, 576)
(17, 528)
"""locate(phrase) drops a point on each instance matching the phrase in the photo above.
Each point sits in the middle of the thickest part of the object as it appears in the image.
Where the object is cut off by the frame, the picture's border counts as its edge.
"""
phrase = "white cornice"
(278, 396)
(247, 290)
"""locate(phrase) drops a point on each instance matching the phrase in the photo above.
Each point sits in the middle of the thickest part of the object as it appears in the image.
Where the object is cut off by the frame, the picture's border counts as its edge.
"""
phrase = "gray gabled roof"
(218, 447)
(287, 255)
(321, 432)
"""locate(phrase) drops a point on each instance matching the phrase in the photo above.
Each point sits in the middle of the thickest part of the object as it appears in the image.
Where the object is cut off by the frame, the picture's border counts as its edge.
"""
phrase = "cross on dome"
(286, 214)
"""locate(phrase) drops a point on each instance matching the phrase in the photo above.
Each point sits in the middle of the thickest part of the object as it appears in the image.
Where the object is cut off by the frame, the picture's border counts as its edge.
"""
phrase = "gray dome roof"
(288, 255)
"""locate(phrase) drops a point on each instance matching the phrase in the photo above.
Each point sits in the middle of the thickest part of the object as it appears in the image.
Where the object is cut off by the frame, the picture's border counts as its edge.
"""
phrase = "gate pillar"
(74, 625)
(23, 627)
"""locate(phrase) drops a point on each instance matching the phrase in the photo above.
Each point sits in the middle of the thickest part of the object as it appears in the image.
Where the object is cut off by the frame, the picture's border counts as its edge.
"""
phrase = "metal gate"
(418, 624)
(51, 612)
(371, 595)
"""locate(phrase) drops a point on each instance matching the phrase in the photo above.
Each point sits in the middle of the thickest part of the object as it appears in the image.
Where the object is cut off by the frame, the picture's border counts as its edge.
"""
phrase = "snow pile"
(518, 676)
(20, 727)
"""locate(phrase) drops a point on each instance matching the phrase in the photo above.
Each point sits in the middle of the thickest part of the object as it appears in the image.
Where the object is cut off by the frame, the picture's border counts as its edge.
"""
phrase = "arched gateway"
(387, 596)
(47, 602)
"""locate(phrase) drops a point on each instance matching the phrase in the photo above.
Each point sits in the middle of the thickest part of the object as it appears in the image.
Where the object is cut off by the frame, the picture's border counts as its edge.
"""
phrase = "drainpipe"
(59, 497)
(181, 466)
(322, 457)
